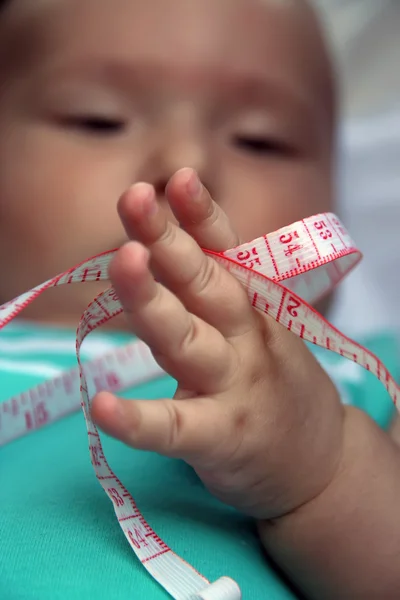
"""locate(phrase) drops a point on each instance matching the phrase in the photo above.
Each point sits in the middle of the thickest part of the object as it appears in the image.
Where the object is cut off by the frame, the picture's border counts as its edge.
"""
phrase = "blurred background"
(365, 39)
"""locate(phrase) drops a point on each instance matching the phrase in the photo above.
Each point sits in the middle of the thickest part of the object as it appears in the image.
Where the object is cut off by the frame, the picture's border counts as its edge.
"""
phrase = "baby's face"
(103, 93)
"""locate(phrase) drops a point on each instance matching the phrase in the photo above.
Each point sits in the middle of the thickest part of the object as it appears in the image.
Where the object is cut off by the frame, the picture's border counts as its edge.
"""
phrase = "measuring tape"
(283, 272)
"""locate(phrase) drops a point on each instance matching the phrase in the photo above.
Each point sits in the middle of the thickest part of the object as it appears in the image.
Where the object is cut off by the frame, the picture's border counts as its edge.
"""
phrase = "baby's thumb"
(175, 428)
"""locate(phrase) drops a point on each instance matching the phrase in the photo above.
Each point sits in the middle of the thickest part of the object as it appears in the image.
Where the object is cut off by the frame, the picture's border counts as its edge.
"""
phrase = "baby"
(222, 115)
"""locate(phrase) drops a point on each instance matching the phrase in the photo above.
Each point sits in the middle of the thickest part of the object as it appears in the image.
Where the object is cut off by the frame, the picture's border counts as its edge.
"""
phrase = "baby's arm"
(346, 542)
(394, 429)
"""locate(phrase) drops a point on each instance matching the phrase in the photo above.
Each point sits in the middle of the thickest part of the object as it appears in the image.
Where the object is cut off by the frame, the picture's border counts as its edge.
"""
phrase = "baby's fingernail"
(194, 186)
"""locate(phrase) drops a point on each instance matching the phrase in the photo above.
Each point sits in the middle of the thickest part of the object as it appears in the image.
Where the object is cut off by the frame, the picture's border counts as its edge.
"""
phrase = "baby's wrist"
(350, 523)
(315, 455)
(337, 477)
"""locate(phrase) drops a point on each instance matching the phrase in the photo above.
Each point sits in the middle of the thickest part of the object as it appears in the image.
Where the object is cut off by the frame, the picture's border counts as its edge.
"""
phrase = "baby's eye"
(258, 145)
(96, 125)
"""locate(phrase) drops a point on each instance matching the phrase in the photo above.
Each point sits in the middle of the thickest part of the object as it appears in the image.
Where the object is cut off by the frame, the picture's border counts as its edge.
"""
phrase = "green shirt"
(59, 536)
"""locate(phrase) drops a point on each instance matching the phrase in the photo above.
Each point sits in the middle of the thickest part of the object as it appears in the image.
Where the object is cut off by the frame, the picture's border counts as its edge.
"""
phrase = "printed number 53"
(324, 232)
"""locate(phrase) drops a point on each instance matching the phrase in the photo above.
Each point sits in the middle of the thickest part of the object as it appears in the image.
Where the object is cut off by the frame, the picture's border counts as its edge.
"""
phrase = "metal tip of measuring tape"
(222, 589)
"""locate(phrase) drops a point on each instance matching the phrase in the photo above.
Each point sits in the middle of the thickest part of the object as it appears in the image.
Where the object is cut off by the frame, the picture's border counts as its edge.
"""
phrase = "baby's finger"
(198, 214)
(187, 348)
(192, 430)
(203, 286)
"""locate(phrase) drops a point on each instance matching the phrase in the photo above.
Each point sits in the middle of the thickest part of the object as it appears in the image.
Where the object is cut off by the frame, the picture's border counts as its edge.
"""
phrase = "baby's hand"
(254, 413)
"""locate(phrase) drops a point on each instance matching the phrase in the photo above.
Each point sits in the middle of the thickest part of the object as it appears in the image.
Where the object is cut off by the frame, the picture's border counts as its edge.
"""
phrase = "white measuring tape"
(309, 257)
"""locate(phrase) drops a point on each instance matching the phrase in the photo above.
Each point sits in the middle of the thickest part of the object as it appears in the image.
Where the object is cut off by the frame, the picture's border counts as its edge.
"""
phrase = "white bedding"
(365, 36)
(369, 204)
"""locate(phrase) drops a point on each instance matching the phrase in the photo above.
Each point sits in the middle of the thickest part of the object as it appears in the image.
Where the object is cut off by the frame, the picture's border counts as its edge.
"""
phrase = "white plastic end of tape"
(222, 589)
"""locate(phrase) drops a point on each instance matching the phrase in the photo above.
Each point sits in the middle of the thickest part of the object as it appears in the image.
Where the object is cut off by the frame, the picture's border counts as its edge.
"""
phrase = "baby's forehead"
(251, 19)
(280, 11)
(276, 37)
(272, 9)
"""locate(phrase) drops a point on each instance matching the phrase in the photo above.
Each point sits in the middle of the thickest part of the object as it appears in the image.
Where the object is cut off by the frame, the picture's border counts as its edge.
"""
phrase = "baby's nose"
(174, 157)
(173, 150)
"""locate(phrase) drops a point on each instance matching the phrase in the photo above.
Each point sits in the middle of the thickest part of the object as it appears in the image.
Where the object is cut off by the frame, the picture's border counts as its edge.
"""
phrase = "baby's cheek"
(268, 194)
